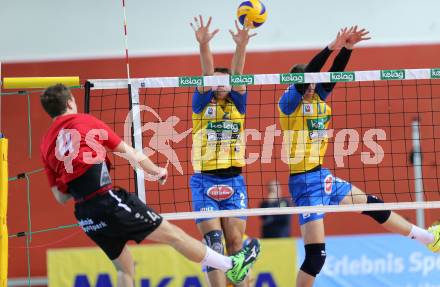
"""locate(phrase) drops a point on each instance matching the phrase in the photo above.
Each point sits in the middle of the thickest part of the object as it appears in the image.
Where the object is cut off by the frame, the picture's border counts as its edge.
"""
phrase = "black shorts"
(113, 218)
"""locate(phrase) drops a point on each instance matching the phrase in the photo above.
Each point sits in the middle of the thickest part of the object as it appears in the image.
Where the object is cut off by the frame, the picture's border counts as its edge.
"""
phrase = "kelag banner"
(376, 260)
(161, 266)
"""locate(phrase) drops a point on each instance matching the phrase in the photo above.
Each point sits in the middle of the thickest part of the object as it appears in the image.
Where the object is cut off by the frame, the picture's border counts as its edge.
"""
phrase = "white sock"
(421, 235)
(217, 260)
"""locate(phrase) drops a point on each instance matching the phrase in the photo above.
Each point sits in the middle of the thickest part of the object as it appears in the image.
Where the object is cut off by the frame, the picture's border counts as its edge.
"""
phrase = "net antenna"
(133, 92)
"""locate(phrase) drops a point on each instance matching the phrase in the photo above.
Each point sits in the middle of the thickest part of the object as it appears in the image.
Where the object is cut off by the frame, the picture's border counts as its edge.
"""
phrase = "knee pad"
(214, 240)
(315, 258)
(381, 216)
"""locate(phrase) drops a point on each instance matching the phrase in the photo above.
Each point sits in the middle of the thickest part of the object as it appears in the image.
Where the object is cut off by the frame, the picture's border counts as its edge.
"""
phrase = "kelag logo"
(293, 78)
(104, 280)
(342, 77)
(435, 73)
(392, 74)
(240, 80)
(190, 81)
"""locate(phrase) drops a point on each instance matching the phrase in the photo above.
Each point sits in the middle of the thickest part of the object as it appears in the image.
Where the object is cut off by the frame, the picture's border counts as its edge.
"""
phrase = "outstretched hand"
(203, 35)
(242, 36)
(341, 39)
(355, 37)
(162, 176)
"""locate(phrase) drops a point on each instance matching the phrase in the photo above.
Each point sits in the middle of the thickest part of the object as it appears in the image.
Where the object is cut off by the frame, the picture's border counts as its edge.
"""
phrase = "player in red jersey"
(75, 160)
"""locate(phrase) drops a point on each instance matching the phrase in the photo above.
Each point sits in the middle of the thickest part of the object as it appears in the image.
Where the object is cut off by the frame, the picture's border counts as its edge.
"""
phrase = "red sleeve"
(50, 175)
(113, 140)
(53, 180)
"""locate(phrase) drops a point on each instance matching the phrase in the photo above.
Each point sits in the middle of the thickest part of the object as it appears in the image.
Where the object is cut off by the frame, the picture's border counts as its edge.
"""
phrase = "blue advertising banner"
(376, 260)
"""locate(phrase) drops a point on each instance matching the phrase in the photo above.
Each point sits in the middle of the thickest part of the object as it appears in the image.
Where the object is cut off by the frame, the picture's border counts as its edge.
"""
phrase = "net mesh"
(368, 116)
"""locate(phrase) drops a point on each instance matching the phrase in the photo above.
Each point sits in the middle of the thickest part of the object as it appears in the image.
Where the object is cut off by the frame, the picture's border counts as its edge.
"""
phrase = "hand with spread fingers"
(203, 35)
(242, 36)
(355, 37)
(341, 39)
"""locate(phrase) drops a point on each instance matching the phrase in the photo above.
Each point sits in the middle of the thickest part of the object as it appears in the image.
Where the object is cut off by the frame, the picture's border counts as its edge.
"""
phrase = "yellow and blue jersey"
(304, 126)
(218, 131)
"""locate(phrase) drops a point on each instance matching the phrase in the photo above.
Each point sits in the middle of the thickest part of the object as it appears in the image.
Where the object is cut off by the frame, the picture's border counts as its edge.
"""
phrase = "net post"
(87, 87)
(136, 138)
(418, 175)
(3, 211)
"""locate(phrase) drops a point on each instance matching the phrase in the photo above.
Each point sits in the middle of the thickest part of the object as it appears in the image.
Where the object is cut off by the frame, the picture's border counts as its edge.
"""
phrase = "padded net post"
(3, 211)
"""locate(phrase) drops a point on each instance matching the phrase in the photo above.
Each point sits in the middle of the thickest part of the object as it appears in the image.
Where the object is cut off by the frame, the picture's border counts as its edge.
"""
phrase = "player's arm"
(290, 100)
(352, 37)
(136, 158)
(319, 60)
(139, 159)
(60, 196)
(203, 36)
(241, 39)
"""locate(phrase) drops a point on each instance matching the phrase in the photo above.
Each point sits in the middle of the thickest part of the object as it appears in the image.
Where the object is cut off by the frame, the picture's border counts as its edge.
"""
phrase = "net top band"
(270, 79)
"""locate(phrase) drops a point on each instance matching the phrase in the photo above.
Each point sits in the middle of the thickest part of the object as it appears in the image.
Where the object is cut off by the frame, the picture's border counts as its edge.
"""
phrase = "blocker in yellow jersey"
(218, 136)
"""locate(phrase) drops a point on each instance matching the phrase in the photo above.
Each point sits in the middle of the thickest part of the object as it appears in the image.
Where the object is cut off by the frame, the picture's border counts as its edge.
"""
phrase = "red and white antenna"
(127, 61)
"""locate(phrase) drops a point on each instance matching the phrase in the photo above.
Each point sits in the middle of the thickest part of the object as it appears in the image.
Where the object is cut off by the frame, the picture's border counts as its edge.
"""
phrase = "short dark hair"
(298, 68)
(222, 70)
(54, 99)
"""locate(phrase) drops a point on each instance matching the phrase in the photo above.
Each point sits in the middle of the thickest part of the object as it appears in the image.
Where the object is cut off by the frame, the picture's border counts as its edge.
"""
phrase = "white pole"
(418, 176)
(138, 145)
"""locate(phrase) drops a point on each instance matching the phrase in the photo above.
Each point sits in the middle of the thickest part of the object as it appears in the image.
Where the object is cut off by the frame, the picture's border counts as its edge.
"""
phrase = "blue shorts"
(210, 192)
(317, 188)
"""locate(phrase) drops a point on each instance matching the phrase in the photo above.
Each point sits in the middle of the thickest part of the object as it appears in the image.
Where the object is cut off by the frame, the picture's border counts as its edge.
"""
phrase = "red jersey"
(72, 145)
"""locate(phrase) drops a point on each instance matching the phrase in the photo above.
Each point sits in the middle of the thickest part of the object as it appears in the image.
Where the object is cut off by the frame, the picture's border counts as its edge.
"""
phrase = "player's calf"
(124, 265)
(214, 240)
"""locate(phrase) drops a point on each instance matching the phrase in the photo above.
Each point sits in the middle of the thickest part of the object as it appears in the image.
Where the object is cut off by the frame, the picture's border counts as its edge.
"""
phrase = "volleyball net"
(384, 139)
(383, 136)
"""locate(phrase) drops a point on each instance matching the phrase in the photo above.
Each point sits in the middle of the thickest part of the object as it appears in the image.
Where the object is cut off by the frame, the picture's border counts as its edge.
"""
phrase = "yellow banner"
(161, 266)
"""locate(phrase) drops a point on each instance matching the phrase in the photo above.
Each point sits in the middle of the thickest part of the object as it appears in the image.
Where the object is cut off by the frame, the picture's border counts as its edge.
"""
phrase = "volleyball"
(252, 13)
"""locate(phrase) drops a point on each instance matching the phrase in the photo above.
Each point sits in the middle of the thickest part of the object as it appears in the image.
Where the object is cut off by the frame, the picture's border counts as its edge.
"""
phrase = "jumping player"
(218, 147)
(304, 118)
(74, 155)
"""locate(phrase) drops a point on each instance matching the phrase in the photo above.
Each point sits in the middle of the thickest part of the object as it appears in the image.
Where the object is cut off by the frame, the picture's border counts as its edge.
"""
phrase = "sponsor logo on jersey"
(227, 116)
(190, 81)
(240, 80)
(328, 184)
(342, 77)
(220, 192)
(105, 176)
(293, 78)
(435, 73)
(318, 135)
(317, 123)
(210, 112)
(392, 74)
(308, 109)
(224, 125)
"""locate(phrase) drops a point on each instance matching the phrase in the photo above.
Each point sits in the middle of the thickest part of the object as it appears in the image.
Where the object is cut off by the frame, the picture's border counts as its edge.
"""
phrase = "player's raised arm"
(350, 38)
(203, 36)
(241, 38)
(138, 158)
